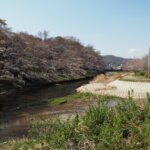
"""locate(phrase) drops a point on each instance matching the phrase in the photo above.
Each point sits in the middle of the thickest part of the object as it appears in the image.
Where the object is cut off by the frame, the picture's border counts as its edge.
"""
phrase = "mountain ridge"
(114, 60)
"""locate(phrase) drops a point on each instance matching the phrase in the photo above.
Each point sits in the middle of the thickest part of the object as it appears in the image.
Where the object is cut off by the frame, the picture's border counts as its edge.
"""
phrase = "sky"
(113, 27)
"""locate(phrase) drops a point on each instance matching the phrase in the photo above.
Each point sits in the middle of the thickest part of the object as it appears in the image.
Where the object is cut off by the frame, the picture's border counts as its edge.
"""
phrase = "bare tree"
(3, 25)
(40, 35)
(45, 34)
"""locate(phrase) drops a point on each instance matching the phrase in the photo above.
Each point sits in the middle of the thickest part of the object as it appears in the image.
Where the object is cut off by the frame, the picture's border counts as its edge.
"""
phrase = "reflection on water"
(22, 97)
(13, 124)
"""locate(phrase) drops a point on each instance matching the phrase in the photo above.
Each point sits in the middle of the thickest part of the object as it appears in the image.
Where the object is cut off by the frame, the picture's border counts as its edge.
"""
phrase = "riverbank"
(27, 104)
(7, 85)
(136, 77)
(122, 85)
(17, 123)
(104, 125)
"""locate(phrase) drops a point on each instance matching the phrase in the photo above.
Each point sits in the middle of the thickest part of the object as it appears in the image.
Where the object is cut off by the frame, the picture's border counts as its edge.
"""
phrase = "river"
(14, 123)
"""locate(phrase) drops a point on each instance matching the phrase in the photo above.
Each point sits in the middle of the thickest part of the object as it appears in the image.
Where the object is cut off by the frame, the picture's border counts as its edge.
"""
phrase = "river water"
(14, 123)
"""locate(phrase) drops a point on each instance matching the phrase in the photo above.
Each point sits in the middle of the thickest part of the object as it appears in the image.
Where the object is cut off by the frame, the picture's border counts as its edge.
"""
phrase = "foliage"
(142, 73)
(28, 60)
(122, 127)
(136, 77)
(3, 25)
(137, 64)
(148, 97)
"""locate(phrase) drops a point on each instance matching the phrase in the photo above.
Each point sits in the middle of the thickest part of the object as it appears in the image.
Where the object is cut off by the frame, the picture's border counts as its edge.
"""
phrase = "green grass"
(135, 80)
(135, 77)
(71, 97)
(123, 127)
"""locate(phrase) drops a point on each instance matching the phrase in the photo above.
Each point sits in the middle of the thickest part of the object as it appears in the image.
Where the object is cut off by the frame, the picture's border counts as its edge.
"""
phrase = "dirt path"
(118, 88)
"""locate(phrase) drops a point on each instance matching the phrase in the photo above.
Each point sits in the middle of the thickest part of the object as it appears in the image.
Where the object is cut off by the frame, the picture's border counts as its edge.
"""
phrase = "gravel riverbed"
(117, 88)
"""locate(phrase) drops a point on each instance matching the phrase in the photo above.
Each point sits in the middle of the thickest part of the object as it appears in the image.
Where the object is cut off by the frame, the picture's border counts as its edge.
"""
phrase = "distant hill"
(113, 60)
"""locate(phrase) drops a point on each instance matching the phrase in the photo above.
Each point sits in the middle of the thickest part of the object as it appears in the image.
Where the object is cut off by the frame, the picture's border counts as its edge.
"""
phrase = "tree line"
(136, 64)
(28, 58)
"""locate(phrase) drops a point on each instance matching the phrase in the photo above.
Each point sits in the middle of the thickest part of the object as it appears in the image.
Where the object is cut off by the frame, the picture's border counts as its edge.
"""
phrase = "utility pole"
(149, 63)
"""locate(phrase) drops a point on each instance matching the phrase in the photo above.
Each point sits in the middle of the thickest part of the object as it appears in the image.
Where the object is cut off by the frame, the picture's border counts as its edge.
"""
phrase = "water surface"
(14, 123)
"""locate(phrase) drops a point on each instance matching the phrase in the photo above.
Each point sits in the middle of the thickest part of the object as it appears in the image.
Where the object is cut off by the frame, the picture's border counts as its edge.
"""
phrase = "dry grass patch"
(108, 77)
(99, 78)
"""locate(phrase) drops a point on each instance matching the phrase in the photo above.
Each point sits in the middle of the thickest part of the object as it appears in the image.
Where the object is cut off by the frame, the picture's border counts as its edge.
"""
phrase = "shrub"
(146, 74)
(141, 74)
(125, 126)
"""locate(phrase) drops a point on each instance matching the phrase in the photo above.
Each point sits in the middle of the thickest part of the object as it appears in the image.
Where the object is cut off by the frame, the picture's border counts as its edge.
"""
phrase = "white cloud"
(132, 50)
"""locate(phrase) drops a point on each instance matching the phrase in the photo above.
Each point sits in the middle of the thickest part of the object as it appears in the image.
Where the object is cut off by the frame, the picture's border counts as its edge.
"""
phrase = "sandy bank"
(117, 88)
